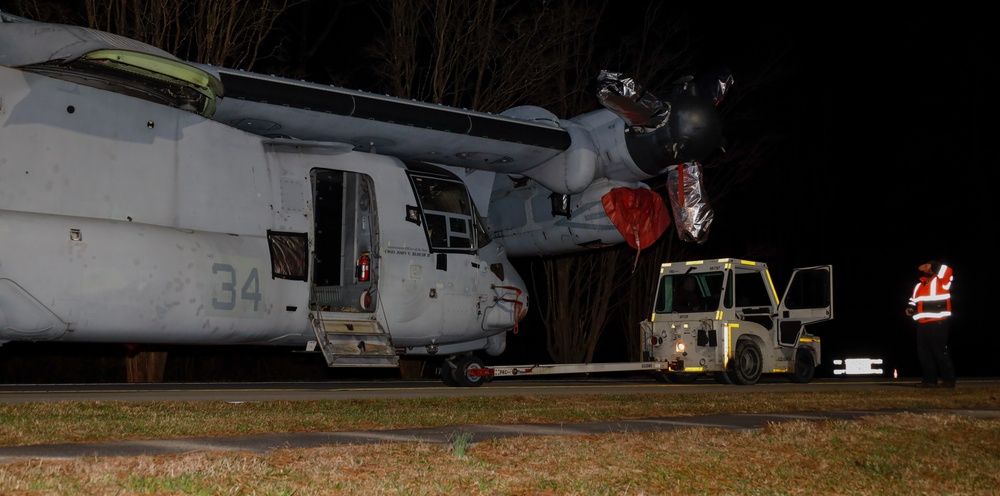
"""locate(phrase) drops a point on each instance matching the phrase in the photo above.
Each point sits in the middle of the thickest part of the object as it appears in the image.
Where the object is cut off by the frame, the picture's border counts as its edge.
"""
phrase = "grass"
(460, 443)
(903, 453)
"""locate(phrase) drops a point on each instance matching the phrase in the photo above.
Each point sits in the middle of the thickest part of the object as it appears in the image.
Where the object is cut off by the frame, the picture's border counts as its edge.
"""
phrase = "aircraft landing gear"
(455, 371)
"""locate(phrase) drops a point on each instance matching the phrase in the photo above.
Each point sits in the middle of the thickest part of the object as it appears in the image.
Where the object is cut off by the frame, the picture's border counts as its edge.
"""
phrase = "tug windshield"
(688, 293)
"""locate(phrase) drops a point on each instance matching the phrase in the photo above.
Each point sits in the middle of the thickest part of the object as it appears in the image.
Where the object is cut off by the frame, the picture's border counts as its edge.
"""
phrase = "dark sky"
(884, 167)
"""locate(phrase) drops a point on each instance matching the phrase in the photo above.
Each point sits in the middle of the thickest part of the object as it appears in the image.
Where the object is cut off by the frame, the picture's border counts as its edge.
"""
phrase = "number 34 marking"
(249, 292)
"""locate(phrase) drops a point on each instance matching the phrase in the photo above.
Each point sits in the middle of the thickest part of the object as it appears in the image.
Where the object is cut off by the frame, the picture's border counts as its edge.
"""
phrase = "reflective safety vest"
(932, 297)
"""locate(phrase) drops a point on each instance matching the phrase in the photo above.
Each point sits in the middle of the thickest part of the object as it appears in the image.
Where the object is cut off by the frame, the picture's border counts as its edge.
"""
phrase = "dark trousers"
(932, 350)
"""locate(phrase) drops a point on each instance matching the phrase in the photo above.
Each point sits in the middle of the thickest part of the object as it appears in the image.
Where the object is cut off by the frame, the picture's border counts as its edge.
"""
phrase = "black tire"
(682, 377)
(805, 367)
(462, 367)
(659, 376)
(448, 374)
(722, 377)
(748, 364)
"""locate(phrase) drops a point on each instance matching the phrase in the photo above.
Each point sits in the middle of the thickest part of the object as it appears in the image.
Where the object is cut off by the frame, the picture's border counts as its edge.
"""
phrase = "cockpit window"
(449, 217)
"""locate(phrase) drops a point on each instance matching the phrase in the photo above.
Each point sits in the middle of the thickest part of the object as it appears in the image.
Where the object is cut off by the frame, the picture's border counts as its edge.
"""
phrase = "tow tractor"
(717, 317)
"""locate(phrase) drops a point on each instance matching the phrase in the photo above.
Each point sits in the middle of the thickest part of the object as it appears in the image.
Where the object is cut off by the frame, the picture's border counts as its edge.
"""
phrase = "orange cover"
(639, 214)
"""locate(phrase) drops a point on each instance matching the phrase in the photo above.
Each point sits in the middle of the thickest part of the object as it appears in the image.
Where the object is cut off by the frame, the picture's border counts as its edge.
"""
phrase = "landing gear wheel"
(463, 366)
(805, 367)
(448, 374)
(748, 364)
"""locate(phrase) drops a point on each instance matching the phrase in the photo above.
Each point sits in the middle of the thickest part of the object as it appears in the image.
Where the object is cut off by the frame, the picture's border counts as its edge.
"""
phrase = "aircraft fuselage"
(123, 220)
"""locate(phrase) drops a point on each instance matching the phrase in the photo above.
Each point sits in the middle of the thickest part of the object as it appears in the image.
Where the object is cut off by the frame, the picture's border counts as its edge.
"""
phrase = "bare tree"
(42, 10)
(144, 365)
(488, 55)
(228, 33)
(576, 304)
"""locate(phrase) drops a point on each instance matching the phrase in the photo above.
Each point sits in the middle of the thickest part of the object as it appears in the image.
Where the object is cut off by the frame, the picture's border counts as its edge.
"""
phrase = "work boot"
(948, 384)
(927, 385)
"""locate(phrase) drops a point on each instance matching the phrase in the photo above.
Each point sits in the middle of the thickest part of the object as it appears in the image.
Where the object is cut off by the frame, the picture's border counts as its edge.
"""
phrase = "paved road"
(307, 391)
(343, 390)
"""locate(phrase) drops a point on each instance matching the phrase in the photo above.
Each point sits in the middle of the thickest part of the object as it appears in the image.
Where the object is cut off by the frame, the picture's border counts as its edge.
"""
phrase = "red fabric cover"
(639, 214)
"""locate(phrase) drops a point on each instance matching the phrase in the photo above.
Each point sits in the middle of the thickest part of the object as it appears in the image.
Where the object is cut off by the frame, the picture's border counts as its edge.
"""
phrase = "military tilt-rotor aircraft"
(148, 200)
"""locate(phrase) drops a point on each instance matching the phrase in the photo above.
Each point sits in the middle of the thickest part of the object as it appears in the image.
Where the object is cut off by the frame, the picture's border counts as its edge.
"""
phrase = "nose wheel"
(455, 371)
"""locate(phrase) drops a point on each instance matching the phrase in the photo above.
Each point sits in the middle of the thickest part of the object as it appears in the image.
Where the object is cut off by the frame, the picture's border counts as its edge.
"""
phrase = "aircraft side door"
(344, 271)
(808, 299)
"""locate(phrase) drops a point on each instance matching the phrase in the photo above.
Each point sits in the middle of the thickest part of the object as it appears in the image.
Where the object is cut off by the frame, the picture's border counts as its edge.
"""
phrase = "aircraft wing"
(565, 157)
(281, 107)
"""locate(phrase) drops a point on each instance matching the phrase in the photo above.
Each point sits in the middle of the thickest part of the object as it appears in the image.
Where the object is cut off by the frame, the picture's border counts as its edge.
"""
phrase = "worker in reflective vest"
(930, 307)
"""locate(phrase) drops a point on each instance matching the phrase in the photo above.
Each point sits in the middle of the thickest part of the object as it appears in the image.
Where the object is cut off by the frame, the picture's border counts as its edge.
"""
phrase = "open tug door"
(808, 299)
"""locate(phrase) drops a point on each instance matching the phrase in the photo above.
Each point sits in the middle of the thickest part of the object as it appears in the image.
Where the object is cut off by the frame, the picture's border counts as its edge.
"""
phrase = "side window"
(449, 216)
(289, 255)
(810, 288)
(751, 290)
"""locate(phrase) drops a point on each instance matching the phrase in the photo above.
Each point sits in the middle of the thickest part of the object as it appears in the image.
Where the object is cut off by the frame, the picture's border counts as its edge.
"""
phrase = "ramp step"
(359, 344)
(363, 361)
(346, 327)
(354, 343)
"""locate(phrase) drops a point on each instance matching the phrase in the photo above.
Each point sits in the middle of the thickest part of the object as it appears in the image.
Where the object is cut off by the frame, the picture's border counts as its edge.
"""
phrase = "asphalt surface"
(397, 389)
(266, 443)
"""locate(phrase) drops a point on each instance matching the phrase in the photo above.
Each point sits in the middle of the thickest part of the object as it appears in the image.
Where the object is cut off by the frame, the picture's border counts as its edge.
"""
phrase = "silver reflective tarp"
(692, 213)
(623, 96)
(714, 85)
